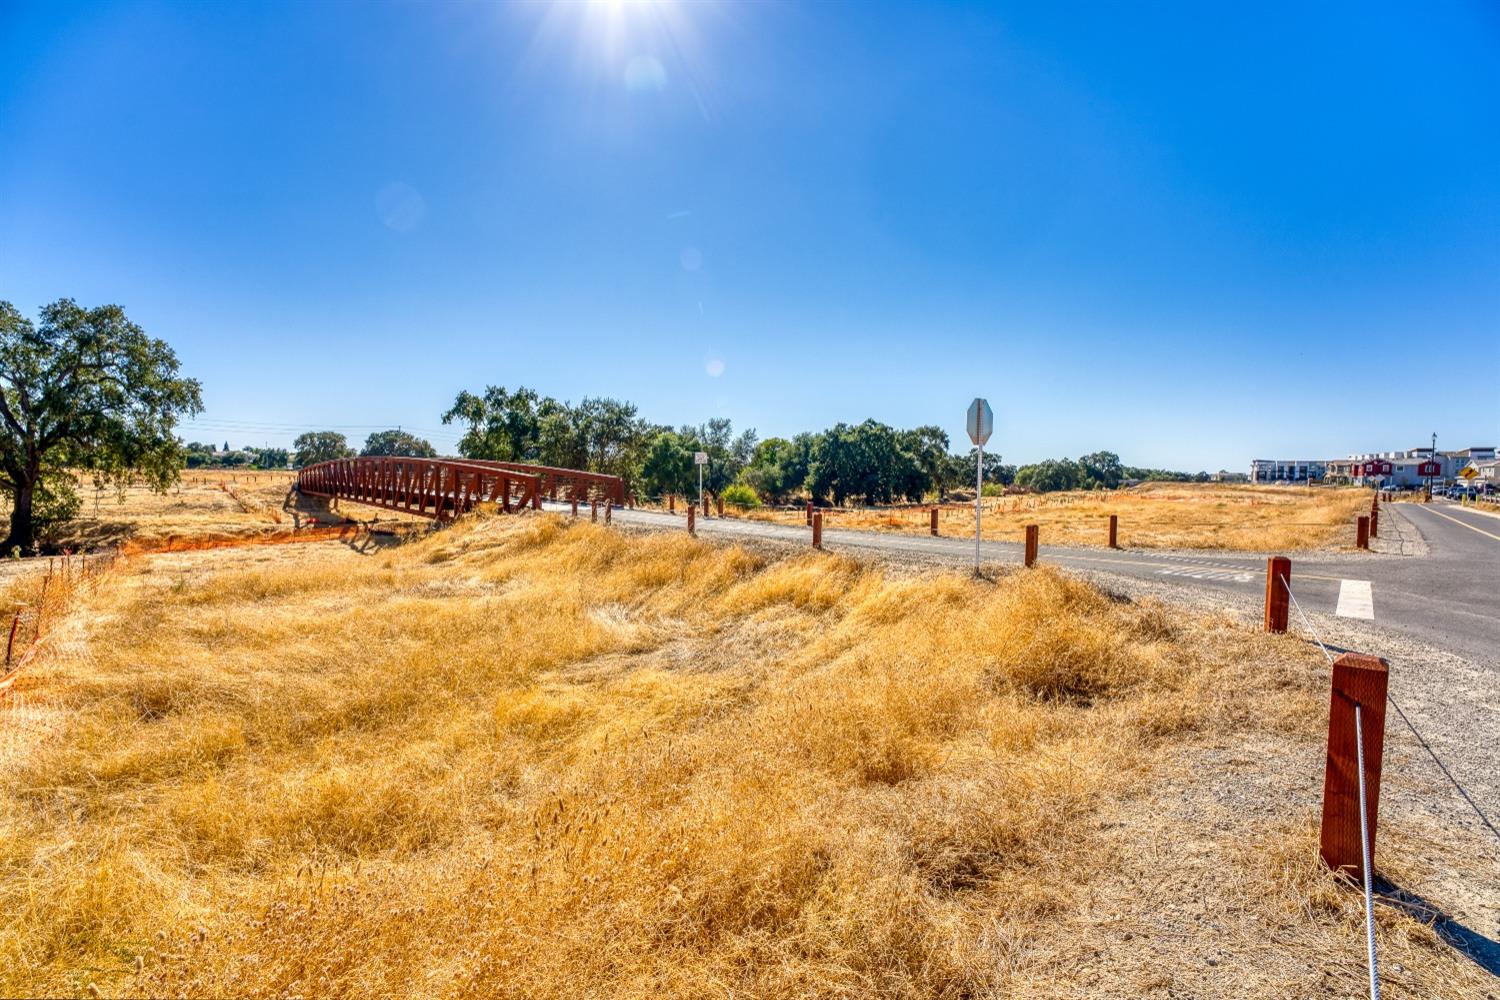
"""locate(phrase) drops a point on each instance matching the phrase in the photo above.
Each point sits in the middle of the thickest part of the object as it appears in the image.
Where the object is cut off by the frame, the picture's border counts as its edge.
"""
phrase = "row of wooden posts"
(1367, 527)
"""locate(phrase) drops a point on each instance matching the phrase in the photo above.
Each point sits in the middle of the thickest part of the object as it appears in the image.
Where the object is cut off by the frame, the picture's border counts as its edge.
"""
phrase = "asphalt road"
(1448, 597)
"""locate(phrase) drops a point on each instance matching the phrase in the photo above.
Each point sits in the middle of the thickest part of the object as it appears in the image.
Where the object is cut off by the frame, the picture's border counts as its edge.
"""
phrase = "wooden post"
(1374, 524)
(575, 506)
(809, 513)
(705, 505)
(719, 505)
(1362, 532)
(817, 523)
(594, 511)
(1033, 533)
(1362, 680)
(671, 503)
(692, 509)
(934, 521)
(609, 506)
(1114, 531)
(1278, 592)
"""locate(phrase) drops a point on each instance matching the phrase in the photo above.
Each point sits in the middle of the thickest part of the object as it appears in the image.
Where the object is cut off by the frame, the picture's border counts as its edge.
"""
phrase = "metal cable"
(1364, 843)
(1305, 620)
(1443, 767)
(1409, 725)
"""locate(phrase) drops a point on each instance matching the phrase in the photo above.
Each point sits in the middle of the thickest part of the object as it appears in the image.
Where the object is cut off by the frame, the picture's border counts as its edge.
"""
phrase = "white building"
(1394, 469)
(1286, 470)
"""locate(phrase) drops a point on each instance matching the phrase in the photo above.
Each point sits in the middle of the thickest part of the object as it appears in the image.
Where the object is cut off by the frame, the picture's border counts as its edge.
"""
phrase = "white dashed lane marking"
(1356, 599)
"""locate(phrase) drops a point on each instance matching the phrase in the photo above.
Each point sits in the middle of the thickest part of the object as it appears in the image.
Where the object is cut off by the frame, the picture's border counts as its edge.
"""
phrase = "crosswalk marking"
(1356, 599)
(1209, 573)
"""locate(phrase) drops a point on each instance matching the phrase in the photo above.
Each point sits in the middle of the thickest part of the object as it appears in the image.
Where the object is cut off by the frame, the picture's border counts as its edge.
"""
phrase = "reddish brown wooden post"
(1033, 533)
(692, 509)
(1357, 679)
(41, 601)
(719, 505)
(1374, 523)
(705, 505)
(1362, 532)
(594, 511)
(575, 506)
(817, 523)
(933, 527)
(609, 507)
(536, 497)
(1278, 592)
(1114, 531)
(671, 503)
(809, 513)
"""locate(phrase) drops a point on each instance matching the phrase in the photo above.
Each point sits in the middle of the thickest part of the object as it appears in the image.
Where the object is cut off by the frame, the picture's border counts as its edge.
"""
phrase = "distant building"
(1403, 467)
(1287, 470)
(1225, 476)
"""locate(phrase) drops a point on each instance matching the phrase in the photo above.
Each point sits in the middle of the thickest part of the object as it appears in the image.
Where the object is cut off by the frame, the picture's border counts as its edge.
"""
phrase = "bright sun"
(642, 46)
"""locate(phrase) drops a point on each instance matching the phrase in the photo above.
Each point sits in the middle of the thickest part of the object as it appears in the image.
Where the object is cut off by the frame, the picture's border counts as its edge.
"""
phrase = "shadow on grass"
(1482, 951)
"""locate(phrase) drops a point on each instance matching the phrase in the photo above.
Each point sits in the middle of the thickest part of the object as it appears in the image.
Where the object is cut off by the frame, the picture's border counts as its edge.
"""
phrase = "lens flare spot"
(645, 75)
(691, 259)
(714, 367)
(400, 207)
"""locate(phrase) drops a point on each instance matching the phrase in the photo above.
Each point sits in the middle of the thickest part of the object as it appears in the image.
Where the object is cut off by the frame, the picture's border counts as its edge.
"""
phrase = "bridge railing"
(566, 484)
(439, 488)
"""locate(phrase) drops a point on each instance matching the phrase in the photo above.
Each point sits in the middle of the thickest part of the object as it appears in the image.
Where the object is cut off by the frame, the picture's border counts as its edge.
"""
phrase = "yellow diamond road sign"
(1469, 472)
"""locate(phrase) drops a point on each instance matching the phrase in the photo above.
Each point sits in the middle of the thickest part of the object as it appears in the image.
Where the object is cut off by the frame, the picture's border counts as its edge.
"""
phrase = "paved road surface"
(1449, 597)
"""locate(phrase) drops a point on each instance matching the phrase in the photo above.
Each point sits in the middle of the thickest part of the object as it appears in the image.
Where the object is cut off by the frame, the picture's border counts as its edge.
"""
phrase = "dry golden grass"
(204, 505)
(1152, 516)
(527, 757)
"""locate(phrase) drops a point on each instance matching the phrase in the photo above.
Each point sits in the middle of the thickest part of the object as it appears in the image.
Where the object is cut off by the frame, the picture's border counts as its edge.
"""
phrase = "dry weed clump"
(529, 757)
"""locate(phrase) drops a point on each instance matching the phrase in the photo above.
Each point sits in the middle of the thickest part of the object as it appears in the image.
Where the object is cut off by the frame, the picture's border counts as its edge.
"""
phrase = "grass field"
(1151, 516)
(527, 757)
(208, 504)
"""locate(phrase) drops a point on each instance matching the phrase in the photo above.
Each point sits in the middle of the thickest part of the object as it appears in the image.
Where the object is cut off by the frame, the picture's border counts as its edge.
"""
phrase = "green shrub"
(740, 495)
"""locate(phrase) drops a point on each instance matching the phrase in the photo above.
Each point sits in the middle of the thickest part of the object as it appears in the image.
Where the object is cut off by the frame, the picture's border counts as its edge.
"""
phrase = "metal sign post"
(981, 425)
(700, 459)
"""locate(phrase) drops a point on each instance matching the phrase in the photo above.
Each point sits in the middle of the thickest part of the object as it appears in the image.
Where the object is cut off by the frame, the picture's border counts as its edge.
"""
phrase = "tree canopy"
(84, 389)
(320, 446)
(397, 442)
(599, 434)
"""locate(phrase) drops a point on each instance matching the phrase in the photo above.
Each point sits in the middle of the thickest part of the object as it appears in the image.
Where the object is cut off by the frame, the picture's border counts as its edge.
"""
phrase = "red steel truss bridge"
(444, 488)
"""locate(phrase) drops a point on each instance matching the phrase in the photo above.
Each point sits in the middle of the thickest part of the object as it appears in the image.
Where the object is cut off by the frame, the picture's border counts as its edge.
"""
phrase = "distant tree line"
(197, 455)
(1100, 470)
(308, 449)
(869, 462)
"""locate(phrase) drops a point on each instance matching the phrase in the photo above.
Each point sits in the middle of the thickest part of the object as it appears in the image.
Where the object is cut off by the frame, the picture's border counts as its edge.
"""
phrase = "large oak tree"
(84, 389)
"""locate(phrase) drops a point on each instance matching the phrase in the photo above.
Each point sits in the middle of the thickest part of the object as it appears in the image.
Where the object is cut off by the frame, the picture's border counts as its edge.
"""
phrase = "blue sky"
(1192, 235)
